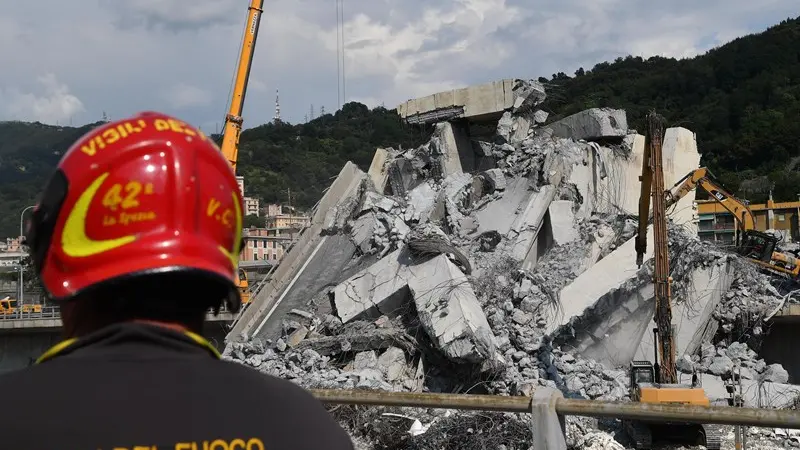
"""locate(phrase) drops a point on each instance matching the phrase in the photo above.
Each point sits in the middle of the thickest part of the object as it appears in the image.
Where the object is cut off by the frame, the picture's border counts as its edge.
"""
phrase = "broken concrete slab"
(526, 229)
(519, 129)
(378, 172)
(450, 312)
(692, 315)
(681, 157)
(562, 221)
(447, 146)
(500, 214)
(372, 201)
(343, 189)
(607, 275)
(363, 231)
(420, 203)
(495, 178)
(380, 289)
(595, 123)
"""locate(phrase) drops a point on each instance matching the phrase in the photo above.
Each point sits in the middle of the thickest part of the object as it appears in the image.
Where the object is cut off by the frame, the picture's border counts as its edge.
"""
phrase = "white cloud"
(182, 95)
(51, 103)
(160, 54)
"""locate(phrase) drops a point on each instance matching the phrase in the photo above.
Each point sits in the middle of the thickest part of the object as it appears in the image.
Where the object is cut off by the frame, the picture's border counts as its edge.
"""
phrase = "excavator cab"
(244, 287)
(641, 373)
(8, 305)
(757, 245)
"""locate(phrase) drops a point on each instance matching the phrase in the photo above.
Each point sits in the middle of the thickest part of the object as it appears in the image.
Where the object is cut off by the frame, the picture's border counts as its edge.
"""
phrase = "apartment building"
(251, 205)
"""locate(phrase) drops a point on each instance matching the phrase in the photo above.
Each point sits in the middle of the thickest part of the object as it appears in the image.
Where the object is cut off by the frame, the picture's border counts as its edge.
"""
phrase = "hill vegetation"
(742, 100)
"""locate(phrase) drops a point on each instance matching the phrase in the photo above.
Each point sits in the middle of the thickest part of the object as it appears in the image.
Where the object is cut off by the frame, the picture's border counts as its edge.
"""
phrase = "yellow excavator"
(657, 383)
(9, 306)
(233, 120)
(757, 246)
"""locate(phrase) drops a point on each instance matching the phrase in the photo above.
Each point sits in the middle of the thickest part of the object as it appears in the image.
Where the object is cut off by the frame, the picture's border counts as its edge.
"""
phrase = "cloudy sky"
(68, 62)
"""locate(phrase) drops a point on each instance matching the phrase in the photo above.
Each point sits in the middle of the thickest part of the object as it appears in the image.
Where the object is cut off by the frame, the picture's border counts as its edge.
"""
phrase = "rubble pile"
(499, 264)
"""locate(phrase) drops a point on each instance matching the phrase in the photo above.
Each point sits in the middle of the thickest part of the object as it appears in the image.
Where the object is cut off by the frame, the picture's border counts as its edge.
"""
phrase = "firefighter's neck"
(169, 325)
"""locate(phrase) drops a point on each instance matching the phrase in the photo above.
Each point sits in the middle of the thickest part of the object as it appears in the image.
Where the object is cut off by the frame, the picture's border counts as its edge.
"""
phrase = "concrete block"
(373, 201)
(691, 315)
(607, 275)
(562, 221)
(450, 312)
(525, 229)
(591, 124)
(681, 157)
(520, 129)
(378, 172)
(380, 289)
(363, 231)
(447, 145)
(499, 215)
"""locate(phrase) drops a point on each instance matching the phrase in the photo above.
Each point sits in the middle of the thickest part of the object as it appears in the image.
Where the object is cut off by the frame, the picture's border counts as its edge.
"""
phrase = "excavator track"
(640, 434)
(713, 435)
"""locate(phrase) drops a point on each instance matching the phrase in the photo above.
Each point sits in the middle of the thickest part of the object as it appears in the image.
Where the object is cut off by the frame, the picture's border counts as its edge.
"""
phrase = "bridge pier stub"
(548, 427)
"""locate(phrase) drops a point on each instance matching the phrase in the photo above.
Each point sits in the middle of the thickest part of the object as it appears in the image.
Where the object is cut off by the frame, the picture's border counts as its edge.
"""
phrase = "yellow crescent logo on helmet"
(234, 255)
(74, 241)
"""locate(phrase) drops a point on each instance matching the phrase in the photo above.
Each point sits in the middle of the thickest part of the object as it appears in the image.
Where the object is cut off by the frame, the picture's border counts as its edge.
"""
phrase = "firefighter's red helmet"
(147, 194)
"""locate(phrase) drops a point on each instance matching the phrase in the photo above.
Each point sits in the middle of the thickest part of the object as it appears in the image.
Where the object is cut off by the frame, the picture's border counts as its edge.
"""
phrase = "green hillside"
(274, 158)
(742, 100)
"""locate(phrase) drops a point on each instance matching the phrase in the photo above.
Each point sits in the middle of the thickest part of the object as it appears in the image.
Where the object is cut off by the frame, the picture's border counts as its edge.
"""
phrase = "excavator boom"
(752, 244)
(658, 383)
(233, 120)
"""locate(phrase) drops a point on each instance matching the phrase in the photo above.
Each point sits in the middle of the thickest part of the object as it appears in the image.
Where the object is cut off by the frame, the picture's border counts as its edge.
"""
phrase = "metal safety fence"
(723, 415)
(548, 408)
(28, 312)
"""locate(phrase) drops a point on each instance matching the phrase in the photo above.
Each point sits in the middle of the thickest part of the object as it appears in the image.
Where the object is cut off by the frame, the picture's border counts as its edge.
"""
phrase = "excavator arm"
(705, 179)
(757, 246)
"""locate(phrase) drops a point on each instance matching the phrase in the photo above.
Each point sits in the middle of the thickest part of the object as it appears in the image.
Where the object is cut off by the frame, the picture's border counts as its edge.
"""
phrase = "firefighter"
(137, 237)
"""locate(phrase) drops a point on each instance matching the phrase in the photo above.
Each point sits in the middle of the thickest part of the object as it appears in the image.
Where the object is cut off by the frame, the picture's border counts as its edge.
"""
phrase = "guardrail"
(52, 312)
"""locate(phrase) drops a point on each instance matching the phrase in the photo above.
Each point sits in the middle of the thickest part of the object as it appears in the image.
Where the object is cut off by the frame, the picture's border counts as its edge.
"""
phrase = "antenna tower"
(277, 117)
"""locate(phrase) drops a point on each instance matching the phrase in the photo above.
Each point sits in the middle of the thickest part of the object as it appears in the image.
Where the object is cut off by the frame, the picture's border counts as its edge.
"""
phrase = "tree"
(253, 221)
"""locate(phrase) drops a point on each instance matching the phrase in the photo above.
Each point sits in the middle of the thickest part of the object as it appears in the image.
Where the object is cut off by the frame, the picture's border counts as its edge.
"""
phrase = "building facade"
(718, 225)
(251, 205)
(278, 218)
(265, 244)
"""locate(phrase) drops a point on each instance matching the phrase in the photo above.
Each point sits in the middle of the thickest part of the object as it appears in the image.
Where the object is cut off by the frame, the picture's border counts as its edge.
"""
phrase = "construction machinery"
(233, 120)
(755, 245)
(657, 383)
(9, 306)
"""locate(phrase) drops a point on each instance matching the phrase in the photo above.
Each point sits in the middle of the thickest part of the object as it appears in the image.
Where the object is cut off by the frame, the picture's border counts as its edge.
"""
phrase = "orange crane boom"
(233, 120)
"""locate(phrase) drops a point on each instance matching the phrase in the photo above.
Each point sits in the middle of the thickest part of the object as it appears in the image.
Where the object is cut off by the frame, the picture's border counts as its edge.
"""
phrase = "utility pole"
(21, 233)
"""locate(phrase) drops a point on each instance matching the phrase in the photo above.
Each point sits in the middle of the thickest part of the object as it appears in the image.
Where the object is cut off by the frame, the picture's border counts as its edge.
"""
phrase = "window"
(781, 217)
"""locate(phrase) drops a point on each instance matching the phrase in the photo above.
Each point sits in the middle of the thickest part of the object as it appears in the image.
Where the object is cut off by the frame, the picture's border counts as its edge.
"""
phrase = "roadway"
(48, 319)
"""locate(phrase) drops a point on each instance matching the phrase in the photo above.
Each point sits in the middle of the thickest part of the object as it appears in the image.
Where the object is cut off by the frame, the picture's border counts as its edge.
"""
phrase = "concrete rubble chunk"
(562, 218)
(379, 289)
(595, 123)
(376, 202)
(496, 179)
(450, 312)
